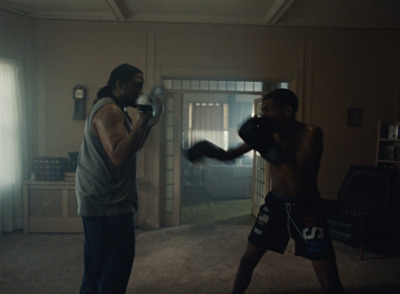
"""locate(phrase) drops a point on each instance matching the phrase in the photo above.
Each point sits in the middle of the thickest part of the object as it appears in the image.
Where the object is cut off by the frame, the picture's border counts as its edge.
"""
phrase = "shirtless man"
(293, 208)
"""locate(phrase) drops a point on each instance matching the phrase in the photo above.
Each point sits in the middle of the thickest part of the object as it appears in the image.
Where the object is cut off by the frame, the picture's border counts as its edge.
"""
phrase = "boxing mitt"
(145, 103)
(257, 133)
(205, 149)
(157, 105)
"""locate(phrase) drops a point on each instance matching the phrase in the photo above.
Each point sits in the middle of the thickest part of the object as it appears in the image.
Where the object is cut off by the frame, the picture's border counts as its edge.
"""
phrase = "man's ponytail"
(106, 91)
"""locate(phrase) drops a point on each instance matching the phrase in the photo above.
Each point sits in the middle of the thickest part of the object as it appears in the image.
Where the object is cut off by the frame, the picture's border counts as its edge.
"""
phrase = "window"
(208, 120)
(222, 85)
(215, 117)
(12, 145)
(214, 110)
(9, 117)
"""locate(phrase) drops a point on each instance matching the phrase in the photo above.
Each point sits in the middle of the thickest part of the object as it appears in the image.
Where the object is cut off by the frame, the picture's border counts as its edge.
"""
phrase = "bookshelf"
(388, 148)
(388, 156)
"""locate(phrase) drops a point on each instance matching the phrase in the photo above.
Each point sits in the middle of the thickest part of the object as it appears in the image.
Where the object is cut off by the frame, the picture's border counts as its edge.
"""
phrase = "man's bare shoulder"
(314, 131)
(312, 137)
(108, 112)
(107, 117)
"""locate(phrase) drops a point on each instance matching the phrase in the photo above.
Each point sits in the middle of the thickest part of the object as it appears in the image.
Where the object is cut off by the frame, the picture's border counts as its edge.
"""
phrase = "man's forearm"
(236, 152)
(131, 144)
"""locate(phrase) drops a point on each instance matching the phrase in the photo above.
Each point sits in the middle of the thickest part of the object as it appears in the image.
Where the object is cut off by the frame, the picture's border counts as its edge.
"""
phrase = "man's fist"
(257, 133)
(205, 149)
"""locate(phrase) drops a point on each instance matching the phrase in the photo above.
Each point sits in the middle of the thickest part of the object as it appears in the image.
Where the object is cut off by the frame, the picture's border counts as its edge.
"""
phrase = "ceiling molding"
(119, 9)
(362, 14)
(20, 10)
(277, 9)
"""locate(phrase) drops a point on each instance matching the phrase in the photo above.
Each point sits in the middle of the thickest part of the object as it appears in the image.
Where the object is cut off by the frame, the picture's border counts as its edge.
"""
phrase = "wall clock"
(79, 95)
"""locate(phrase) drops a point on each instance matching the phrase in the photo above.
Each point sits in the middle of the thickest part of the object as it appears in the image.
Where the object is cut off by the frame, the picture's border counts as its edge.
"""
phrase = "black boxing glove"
(205, 149)
(257, 133)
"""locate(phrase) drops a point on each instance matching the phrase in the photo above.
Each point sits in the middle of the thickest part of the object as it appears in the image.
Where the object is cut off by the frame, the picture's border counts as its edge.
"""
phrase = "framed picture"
(354, 117)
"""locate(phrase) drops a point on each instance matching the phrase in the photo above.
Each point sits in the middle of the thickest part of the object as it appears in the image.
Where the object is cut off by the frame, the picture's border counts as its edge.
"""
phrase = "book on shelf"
(390, 152)
(69, 176)
(49, 168)
(390, 130)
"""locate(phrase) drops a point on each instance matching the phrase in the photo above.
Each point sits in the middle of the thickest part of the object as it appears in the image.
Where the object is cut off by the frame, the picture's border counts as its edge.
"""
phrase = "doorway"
(210, 192)
(216, 192)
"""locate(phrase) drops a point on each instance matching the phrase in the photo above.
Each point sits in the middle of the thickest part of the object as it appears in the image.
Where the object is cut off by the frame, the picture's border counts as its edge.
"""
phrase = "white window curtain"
(13, 165)
(207, 123)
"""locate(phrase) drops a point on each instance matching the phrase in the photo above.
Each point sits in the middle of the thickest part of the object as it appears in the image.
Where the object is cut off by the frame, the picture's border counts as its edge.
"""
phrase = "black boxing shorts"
(281, 219)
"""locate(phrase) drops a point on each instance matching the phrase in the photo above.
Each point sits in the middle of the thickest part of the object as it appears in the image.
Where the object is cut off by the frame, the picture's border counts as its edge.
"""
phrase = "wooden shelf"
(388, 161)
(388, 140)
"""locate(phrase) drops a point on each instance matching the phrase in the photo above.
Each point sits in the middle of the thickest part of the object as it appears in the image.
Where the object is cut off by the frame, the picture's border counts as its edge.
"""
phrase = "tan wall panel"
(83, 57)
(351, 72)
(230, 50)
(16, 34)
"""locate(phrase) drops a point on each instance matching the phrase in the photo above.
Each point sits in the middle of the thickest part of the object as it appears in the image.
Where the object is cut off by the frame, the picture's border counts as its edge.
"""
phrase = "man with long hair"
(106, 180)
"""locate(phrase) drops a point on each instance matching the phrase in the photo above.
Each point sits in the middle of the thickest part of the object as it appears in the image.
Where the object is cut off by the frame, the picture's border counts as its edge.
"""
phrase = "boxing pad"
(145, 103)
(205, 149)
(257, 133)
(157, 105)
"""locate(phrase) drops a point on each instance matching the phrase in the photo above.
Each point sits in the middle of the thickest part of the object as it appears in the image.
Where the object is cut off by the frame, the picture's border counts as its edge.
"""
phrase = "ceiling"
(380, 14)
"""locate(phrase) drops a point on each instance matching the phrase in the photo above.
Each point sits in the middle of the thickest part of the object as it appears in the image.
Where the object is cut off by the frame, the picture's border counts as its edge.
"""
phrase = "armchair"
(364, 207)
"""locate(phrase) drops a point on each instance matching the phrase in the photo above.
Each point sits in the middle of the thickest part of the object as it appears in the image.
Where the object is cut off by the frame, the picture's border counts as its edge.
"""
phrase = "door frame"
(170, 197)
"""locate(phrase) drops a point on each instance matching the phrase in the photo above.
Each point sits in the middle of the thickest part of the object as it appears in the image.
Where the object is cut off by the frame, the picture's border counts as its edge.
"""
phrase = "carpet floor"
(199, 208)
(185, 259)
(201, 257)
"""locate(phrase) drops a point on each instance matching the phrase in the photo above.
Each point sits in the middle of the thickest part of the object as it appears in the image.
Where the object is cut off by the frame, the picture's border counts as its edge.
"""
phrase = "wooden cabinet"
(51, 207)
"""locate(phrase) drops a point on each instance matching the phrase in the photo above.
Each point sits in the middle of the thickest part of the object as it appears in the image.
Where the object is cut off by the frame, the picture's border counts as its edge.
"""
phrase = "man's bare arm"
(236, 152)
(108, 124)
